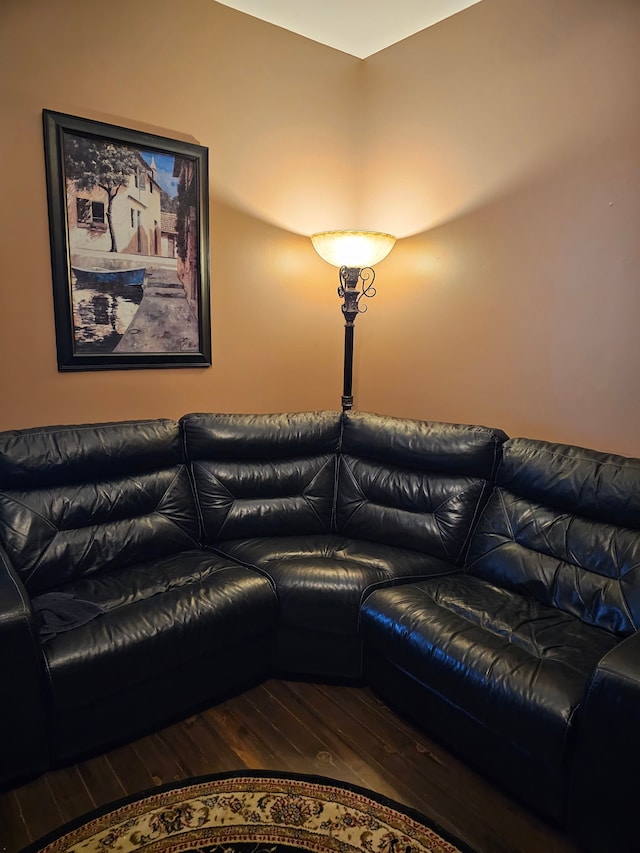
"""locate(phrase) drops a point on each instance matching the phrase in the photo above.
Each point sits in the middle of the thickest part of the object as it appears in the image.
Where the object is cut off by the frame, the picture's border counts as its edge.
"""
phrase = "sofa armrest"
(24, 748)
(603, 783)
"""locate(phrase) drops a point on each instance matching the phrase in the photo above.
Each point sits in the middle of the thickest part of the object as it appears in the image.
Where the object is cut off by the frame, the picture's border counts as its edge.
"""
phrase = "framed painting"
(129, 233)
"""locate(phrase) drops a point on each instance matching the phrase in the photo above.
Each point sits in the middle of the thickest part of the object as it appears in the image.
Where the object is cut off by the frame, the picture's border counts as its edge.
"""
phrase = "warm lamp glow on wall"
(355, 252)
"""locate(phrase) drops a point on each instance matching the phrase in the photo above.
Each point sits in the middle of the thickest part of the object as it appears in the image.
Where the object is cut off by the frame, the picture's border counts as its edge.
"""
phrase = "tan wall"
(502, 145)
(273, 109)
(506, 150)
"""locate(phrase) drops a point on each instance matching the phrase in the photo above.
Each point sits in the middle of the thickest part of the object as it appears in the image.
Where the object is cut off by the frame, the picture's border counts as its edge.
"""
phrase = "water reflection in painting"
(102, 313)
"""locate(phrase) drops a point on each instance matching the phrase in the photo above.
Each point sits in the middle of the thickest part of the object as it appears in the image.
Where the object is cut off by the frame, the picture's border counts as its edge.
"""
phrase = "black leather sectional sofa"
(488, 588)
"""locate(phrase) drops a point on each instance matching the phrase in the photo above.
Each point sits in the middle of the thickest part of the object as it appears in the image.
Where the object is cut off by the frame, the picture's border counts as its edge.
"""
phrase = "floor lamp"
(355, 253)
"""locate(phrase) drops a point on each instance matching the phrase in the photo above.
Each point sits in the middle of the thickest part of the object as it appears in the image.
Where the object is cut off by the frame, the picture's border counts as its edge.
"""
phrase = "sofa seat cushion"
(321, 582)
(159, 615)
(517, 668)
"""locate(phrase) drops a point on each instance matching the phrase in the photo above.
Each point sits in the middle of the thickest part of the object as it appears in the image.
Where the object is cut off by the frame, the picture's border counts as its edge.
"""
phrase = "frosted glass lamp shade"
(352, 248)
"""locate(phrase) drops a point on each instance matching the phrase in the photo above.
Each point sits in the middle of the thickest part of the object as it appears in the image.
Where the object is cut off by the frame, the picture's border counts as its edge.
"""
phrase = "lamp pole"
(348, 291)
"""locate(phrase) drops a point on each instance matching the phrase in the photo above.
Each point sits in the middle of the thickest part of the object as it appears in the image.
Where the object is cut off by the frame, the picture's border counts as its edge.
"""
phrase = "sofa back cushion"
(414, 484)
(563, 525)
(263, 474)
(76, 500)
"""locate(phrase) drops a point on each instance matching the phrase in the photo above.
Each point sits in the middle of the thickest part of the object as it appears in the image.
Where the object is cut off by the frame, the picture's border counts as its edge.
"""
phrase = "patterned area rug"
(252, 813)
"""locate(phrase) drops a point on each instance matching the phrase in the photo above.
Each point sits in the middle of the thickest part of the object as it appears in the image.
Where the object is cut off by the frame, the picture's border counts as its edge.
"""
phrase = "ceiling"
(358, 27)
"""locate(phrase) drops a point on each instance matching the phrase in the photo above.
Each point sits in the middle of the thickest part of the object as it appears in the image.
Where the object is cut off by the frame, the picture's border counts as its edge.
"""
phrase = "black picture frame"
(129, 234)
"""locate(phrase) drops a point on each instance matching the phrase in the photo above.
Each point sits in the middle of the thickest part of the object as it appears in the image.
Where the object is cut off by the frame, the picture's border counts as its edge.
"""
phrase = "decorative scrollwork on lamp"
(355, 253)
(348, 290)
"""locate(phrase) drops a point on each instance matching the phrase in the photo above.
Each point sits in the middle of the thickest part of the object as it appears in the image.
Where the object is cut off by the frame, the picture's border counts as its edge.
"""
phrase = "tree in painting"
(100, 164)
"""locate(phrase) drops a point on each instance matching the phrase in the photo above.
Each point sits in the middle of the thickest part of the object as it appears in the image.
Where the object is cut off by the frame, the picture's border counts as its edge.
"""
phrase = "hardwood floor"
(342, 732)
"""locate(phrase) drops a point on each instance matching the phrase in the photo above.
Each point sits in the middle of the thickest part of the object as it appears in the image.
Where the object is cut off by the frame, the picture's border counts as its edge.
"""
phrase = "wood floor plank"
(383, 765)
(38, 807)
(340, 732)
(399, 747)
(338, 758)
(306, 750)
(129, 769)
(488, 807)
(269, 732)
(177, 740)
(13, 830)
(252, 751)
(162, 764)
(100, 779)
(218, 756)
(70, 792)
